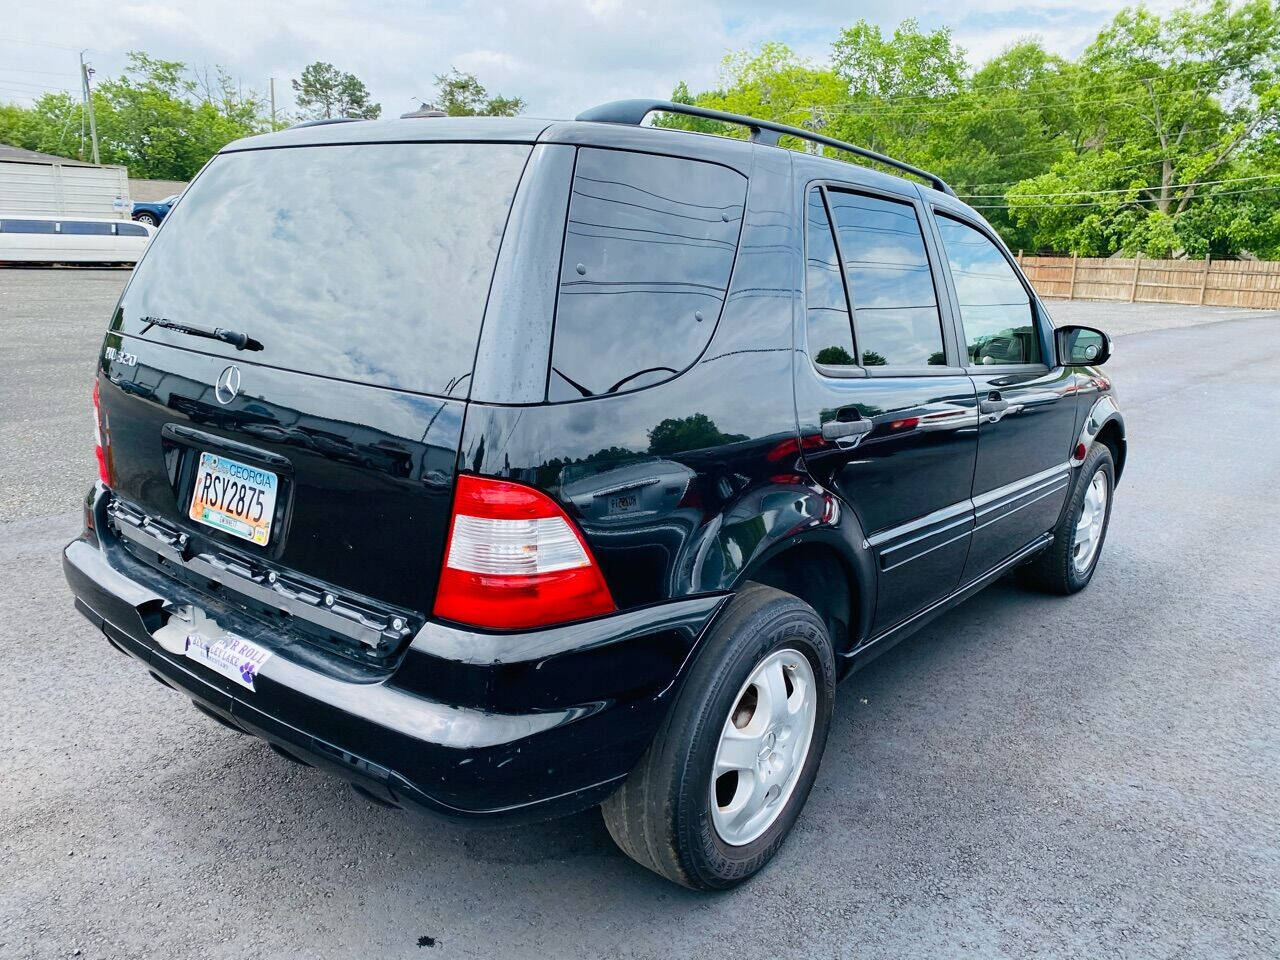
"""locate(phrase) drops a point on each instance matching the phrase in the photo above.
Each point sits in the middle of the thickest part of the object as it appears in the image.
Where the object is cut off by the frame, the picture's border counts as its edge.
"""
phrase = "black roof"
(727, 151)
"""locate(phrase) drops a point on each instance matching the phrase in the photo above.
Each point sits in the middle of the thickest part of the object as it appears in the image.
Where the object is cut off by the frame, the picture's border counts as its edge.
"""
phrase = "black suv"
(508, 467)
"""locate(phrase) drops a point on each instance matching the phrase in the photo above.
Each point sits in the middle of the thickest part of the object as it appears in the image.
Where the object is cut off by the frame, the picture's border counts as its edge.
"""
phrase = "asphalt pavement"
(1030, 776)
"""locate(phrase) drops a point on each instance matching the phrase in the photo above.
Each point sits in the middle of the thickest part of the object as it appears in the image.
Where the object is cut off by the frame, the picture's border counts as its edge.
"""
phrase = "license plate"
(624, 503)
(234, 497)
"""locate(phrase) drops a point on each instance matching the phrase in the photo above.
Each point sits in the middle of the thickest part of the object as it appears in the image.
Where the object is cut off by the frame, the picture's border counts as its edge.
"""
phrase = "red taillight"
(515, 560)
(97, 437)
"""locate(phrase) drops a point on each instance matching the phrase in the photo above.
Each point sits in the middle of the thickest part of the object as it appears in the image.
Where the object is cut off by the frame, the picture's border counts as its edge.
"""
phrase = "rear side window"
(830, 335)
(994, 307)
(131, 230)
(367, 262)
(649, 247)
(895, 306)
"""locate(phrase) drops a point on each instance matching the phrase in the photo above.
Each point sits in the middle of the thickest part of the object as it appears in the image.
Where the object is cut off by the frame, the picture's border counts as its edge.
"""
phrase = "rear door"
(886, 412)
(1026, 403)
(322, 454)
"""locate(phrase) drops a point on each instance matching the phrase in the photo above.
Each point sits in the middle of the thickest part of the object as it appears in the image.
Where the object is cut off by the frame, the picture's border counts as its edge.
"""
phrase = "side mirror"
(1082, 346)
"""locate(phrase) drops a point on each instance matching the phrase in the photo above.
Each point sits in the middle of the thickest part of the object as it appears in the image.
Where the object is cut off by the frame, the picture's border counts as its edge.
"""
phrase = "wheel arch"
(829, 576)
(1103, 424)
(1112, 434)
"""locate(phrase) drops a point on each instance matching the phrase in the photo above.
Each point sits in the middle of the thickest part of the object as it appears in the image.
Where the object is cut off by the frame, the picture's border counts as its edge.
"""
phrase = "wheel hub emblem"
(228, 385)
(767, 744)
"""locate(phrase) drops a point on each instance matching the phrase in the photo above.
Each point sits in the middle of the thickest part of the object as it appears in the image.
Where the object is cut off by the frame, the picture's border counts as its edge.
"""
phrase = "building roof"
(10, 152)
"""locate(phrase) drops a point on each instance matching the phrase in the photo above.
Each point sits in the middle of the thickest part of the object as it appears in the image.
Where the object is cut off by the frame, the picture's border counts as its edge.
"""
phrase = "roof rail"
(322, 121)
(633, 112)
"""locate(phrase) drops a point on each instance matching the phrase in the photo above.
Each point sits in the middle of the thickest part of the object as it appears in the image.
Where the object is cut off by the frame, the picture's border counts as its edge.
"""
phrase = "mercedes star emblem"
(228, 385)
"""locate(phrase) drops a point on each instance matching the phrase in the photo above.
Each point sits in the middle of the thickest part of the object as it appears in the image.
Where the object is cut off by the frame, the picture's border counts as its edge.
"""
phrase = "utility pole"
(813, 123)
(272, 82)
(85, 74)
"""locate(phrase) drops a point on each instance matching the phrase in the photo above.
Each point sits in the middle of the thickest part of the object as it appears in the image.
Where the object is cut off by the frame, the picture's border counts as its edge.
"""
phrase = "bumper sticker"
(232, 656)
(197, 636)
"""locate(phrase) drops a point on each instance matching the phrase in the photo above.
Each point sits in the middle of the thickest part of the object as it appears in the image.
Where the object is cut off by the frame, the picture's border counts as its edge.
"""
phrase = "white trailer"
(37, 188)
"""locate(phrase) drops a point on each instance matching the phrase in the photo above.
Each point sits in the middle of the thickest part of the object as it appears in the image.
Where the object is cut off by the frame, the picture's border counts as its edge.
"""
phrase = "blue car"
(153, 211)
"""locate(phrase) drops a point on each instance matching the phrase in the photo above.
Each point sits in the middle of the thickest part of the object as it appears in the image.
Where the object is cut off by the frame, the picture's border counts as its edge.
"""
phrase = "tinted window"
(369, 262)
(86, 229)
(895, 307)
(994, 306)
(131, 230)
(648, 250)
(27, 226)
(830, 334)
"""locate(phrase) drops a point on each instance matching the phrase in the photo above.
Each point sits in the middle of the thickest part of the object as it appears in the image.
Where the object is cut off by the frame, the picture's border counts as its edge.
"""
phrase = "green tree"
(324, 92)
(834, 356)
(900, 90)
(773, 83)
(463, 95)
(908, 64)
(1171, 107)
(158, 121)
(157, 118)
(1012, 120)
(1161, 137)
(694, 432)
(51, 125)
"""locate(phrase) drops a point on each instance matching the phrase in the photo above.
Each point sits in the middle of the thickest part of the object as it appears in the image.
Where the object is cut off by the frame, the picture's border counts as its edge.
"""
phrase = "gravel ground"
(53, 322)
(1093, 776)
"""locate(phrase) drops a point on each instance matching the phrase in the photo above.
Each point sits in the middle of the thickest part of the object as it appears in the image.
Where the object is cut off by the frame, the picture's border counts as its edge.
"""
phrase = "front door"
(886, 412)
(1026, 402)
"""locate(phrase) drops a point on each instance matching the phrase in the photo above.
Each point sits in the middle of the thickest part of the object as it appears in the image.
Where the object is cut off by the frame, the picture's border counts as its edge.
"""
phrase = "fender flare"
(844, 536)
(1103, 412)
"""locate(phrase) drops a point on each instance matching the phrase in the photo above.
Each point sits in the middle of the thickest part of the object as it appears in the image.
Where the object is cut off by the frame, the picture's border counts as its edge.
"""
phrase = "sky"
(561, 56)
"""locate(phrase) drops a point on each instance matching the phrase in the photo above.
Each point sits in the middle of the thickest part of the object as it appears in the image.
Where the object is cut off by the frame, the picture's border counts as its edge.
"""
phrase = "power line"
(1085, 193)
(38, 43)
(1056, 89)
(50, 73)
(1009, 183)
(1102, 203)
(1061, 149)
(34, 94)
(837, 111)
(39, 87)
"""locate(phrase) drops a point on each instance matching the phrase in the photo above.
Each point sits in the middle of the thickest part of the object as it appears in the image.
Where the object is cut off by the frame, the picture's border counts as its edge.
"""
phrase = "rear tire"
(662, 816)
(147, 218)
(1067, 565)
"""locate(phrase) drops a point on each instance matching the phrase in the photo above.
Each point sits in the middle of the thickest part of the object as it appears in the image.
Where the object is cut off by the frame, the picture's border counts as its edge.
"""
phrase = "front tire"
(1068, 565)
(148, 219)
(720, 787)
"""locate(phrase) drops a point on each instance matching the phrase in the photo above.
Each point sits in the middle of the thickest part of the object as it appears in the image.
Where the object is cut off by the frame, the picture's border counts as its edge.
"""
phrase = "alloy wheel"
(1093, 515)
(763, 746)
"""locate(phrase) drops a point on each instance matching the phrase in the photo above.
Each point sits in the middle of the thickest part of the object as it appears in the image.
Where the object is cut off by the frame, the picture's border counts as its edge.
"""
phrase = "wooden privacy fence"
(1219, 283)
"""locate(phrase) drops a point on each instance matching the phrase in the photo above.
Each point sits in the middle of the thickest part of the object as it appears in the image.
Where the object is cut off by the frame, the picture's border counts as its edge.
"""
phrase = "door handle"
(846, 429)
(994, 404)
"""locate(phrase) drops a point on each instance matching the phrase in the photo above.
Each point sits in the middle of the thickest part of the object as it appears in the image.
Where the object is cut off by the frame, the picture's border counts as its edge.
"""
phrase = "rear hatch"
(304, 463)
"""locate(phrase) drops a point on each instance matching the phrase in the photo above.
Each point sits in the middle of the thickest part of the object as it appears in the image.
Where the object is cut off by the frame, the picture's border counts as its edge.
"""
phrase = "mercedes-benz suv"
(509, 467)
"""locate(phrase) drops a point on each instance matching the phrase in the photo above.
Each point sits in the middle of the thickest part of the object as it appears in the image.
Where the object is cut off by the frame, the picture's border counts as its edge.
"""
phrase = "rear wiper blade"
(241, 341)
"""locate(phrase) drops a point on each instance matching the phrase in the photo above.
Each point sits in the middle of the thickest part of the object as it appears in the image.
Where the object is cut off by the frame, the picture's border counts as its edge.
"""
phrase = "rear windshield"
(368, 263)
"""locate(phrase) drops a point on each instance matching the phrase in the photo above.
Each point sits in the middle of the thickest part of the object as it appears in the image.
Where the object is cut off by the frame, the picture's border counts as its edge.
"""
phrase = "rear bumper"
(467, 725)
